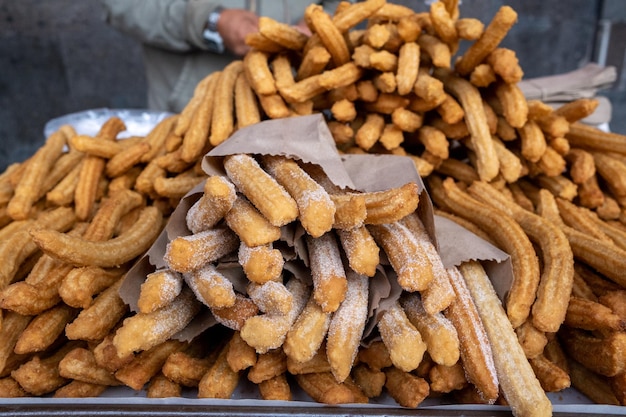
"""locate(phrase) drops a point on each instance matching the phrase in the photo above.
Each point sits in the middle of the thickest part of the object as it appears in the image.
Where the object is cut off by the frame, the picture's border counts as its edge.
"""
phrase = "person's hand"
(233, 26)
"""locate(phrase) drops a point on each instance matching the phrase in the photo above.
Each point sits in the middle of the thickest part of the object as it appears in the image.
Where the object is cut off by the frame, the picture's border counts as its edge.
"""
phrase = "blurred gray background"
(59, 57)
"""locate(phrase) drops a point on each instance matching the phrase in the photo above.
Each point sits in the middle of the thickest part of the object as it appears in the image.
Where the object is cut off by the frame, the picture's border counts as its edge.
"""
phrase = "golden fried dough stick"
(405, 253)
(267, 331)
(176, 187)
(211, 287)
(123, 161)
(159, 289)
(407, 389)
(267, 195)
(551, 377)
(513, 103)
(577, 109)
(260, 263)
(346, 327)
(446, 379)
(268, 365)
(222, 124)
(613, 172)
(322, 25)
(581, 165)
(403, 340)
(439, 294)
(469, 97)
(408, 67)
(600, 354)
(235, 316)
(557, 258)
(440, 336)
(218, 198)
(197, 134)
(258, 73)
(303, 90)
(79, 286)
(369, 132)
(532, 140)
(41, 376)
(187, 370)
(157, 138)
(240, 355)
(63, 193)
(111, 210)
(80, 364)
(591, 138)
(250, 225)
(591, 315)
(510, 236)
(162, 387)
(113, 252)
(276, 388)
(96, 321)
(186, 254)
(318, 363)
(10, 388)
(147, 364)
(435, 49)
(517, 380)
(505, 63)
(39, 166)
(44, 329)
(144, 331)
(185, 116)
(329, 277)
(271, 297)
(493, 34)
(354, 13)
(316, 211)
(341, 76)
(369, 380)
(282, 33)
(307, 334)
(260, 42)
(596, 387)
(391, 205)
(246, 107)
(17, 247)
(313, 62)
(31, 299)
(376, 35)
(531, 339)
(581, 219)
(606, 258)
(324, 388)
(475, 349)
(443, 23)
(360, 249)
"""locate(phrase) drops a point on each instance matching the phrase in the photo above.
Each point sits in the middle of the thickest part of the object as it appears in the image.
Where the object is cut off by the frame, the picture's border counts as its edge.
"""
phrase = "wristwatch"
(211, 36)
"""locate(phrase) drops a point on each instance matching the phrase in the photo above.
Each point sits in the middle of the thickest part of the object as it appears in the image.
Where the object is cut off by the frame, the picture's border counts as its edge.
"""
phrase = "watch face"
(213, 41)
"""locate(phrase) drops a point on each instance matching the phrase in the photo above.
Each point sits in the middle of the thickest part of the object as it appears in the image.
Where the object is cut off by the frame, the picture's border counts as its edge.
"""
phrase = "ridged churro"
(346, 327)
(269, 197)
(329, 276)
(315, 207)
(475, 349)
(517, 380)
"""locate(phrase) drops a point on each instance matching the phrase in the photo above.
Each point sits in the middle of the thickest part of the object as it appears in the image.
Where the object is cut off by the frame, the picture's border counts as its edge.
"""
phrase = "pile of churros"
(287, 263)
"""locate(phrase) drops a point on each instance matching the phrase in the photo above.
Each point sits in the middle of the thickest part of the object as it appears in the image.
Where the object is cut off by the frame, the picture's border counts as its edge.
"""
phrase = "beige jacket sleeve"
(175, 25)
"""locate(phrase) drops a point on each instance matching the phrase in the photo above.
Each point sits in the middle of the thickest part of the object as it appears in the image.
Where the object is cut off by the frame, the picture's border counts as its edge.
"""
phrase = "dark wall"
(59, 57)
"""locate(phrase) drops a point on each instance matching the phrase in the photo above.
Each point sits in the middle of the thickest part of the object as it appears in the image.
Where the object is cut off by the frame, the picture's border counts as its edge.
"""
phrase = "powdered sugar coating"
(210, 287)
(346, 327)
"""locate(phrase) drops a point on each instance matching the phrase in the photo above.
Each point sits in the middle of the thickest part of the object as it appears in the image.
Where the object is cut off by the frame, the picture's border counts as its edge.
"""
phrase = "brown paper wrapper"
(308, 139)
